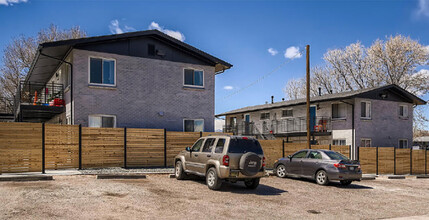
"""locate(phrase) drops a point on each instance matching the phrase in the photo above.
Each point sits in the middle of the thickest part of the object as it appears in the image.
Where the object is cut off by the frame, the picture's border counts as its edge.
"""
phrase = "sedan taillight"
(340, 165)
(225, 160)
(263, 161)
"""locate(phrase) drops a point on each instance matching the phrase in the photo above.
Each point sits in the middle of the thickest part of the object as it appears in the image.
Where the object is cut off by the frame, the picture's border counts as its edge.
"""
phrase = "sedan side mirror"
(188, 149)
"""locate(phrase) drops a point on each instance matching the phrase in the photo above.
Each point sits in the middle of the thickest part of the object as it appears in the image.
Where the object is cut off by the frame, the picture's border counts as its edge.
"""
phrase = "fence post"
(283, 148)
(330, 147)
(376, 161)
(201, 133)
(165, 147)
(426, 160)
(43, 148)
(411, 161)
(394, 160)
(357, 150)
(350, 151)
(125, 147)
(80, 146)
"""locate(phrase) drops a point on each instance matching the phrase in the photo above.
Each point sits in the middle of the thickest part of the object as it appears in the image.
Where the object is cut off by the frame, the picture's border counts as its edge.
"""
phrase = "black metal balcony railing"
(33, 93)
(290, 125)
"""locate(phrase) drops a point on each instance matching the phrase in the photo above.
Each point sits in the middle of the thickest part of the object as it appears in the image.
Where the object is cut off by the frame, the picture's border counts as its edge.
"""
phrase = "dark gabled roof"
(43, 67)
(329, 97)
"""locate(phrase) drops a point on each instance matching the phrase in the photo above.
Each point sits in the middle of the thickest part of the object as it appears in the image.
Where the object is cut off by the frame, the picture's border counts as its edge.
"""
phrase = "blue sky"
(239, 32)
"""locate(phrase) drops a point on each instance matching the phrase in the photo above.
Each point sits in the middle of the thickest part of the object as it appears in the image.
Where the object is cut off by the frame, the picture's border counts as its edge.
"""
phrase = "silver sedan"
(322, 166)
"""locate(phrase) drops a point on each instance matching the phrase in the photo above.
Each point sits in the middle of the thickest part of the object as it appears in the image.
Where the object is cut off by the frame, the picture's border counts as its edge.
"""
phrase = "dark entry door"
(312, 117)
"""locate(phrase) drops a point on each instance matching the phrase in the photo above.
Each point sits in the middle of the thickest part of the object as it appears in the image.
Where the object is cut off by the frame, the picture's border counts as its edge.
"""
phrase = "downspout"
(353, 129)
(71, 82)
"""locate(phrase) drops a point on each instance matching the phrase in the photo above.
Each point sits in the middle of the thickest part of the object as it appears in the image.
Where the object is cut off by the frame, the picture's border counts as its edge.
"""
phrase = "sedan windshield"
(335, 155)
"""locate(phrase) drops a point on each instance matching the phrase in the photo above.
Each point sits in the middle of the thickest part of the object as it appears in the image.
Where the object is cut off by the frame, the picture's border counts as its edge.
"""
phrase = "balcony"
(286, 127)
(38, 102)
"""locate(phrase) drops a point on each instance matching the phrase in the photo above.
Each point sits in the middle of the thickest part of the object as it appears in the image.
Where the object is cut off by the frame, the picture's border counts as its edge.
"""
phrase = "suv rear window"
(244, 146)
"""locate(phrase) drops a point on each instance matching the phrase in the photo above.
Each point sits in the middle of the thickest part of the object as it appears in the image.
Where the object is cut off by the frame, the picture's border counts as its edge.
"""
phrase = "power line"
(265, 75)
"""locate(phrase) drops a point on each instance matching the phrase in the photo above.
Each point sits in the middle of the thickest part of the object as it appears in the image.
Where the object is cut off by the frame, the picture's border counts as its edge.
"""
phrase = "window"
(339, 111)
(102, 121)
(403, 111)
(314, 155)
(68, 120)
(220, 145)
(300, 154)
(403, 143)
(151, 50)
(238, 145)
(287, 113)
(194, 78)
(193, 125)
(232, 121)
(197, 145)
(102, 71)
(364, 142)
(335, 155)
(365, 110)
(208, 145)
(265, 116)
(339, 142)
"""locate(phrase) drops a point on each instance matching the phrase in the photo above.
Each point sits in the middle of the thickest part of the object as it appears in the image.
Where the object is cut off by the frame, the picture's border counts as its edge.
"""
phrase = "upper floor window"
(287, 113)
(339, 111)
(403, 111)
(265, 116)
(102, 71)
(365, 142)
(339, 142)
(194, 78)
(102, 121)
(193, 125)
(403, 143)
(365, 109)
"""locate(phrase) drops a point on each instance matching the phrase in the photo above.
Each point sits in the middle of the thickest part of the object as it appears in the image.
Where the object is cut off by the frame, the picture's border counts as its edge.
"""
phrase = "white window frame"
(265, 118)
(405, 110)
(286, 110)
(368, 109)
(195, 86)
(345, 109)
(399, 143)
(366, 139)
(244, 119)
(339, 140)
(193, 119)
(103, 115)
(89, 72)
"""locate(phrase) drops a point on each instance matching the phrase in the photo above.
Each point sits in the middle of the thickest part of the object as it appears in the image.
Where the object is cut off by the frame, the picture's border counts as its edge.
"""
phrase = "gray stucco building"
(143, 79)
(381, 116)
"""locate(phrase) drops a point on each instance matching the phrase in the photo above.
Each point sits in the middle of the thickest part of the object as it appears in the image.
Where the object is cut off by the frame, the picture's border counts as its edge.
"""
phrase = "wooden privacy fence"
(275, 149)
(390, 160)
(28, 147)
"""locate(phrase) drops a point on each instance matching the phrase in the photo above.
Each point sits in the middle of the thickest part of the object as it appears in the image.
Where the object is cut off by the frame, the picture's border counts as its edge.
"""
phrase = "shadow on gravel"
(354, 185)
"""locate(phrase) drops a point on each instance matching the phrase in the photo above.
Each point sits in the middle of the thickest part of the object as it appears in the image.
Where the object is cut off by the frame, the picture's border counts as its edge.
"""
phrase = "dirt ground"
(159, 197)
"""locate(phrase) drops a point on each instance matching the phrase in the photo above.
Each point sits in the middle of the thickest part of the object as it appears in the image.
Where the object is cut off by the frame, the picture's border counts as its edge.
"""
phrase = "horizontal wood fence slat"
(386, 163)
(145, 147)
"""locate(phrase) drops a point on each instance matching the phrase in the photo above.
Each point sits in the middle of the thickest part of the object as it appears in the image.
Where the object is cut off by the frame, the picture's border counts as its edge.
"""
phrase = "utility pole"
(308, 96)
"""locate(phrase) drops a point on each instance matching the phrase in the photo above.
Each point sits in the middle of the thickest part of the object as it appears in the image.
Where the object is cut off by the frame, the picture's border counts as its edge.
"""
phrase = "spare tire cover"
(250, 164)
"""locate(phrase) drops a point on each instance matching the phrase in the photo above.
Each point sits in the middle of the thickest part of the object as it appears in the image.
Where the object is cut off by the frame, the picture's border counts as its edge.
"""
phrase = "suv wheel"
(212, 180)
(179, 172)
(322, 178)
(251, 183)
(281, 171)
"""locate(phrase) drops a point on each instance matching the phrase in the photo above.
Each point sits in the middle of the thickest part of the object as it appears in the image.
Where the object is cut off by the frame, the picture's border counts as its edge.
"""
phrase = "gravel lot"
(158, 196)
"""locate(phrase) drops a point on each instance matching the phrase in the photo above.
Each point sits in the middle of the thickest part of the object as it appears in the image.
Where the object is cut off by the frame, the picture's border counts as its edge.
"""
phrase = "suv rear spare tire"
(250, 164)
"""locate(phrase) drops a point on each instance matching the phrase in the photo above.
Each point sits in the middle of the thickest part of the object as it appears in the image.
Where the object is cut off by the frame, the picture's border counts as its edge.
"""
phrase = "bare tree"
(392, 61)
(18, 56)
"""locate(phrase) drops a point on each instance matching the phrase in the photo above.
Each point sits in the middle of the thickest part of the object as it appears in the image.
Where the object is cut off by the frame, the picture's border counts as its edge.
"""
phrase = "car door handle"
(209, 155)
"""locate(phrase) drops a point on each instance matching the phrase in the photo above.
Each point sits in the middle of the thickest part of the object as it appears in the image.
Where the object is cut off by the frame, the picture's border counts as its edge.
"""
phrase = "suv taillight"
(340, 165)
(263, 161)
(225, 160)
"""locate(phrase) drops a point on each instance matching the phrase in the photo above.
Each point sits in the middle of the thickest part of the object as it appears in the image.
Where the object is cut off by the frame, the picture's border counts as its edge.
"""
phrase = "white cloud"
(176, 34)
(427, 49)
(272, 51)
(292, 53)
(423, 8)
(115, 27)
(228, 87)
(11, 2)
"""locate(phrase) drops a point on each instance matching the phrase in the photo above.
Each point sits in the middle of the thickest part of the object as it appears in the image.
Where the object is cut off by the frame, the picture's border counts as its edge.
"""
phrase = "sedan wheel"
(322, 177)
(281, 171)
